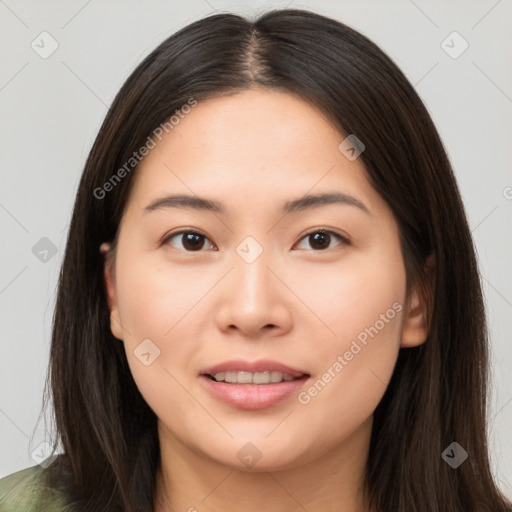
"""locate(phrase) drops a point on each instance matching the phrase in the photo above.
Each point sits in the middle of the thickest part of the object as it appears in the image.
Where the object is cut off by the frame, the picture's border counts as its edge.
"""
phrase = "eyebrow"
(303, 203)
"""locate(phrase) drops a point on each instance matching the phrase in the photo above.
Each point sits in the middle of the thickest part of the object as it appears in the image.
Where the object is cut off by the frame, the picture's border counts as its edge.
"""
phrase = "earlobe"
(416, 324)
(115, 320)
(415, 328)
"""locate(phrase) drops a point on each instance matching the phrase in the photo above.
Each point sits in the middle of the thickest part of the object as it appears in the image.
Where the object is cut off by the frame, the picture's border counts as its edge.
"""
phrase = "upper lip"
(261, 365)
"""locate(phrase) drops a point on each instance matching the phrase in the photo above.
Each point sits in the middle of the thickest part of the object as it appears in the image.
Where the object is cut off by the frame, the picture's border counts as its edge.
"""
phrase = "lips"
(241, 377)
(252, 385)
(261, 366)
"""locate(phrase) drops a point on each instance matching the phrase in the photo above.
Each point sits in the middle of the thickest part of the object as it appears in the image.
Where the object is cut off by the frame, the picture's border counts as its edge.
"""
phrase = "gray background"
(51, 109)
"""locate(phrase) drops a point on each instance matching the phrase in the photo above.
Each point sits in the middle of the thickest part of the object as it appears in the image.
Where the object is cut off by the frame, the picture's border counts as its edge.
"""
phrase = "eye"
(190, 241)
(321, 239)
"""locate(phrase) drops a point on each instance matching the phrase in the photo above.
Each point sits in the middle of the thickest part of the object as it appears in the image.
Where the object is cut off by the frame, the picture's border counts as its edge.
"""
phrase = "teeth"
(244, 377)
(253, 378)
(261, 378)
(276, 376)
(230, 377)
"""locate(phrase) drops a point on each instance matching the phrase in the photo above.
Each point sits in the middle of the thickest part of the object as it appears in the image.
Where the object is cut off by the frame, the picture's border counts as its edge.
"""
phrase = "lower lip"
(253, 396)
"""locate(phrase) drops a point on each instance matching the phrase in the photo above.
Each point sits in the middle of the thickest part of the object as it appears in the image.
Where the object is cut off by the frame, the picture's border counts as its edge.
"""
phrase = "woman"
(269, 294)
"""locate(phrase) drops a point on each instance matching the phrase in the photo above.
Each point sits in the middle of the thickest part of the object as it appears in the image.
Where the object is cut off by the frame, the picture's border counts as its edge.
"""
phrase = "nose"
(255, 302)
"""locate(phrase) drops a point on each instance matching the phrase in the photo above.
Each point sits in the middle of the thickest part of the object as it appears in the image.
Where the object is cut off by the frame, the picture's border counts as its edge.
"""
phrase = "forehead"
(259, 123)
(259, 143)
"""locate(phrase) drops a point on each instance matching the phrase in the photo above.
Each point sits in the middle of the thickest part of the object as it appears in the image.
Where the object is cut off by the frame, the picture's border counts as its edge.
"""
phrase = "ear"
(416, 325)
(108, 273)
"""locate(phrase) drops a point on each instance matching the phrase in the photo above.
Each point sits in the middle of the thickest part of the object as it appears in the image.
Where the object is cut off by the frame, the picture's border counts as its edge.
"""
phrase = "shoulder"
(28, 491)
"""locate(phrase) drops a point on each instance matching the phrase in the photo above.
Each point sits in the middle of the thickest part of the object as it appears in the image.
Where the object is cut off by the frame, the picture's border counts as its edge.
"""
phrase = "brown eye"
(321, 239)
(189, 241)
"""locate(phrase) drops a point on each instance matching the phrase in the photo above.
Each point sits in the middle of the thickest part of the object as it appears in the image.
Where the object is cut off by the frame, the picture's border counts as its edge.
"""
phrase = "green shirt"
(28, 491)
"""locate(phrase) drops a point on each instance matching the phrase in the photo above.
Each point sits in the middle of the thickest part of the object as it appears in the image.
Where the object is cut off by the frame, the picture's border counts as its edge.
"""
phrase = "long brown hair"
(438, 391)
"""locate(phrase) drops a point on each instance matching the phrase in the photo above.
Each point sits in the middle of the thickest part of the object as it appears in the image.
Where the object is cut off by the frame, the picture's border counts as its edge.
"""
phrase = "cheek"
(160, 341)
(353, 375)
(155, 299)
(364, 338)
(350, 295)
(362, 304)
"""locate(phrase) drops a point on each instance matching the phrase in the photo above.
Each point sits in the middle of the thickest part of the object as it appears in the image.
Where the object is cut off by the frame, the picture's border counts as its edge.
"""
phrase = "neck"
(190, 482)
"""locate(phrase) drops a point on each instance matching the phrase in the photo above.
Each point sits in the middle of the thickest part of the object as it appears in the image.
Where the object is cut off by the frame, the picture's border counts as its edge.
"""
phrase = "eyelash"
(343, 239)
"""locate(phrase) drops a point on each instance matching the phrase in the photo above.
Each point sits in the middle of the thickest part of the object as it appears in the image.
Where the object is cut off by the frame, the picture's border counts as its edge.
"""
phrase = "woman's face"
(252, 292)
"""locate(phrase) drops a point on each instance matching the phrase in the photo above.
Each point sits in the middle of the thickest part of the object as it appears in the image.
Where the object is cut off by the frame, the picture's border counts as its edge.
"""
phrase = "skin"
(296, 304)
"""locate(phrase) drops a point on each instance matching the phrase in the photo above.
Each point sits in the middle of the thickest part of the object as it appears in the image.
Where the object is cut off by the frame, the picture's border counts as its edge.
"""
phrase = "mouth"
(255, 385)
(263, 378)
